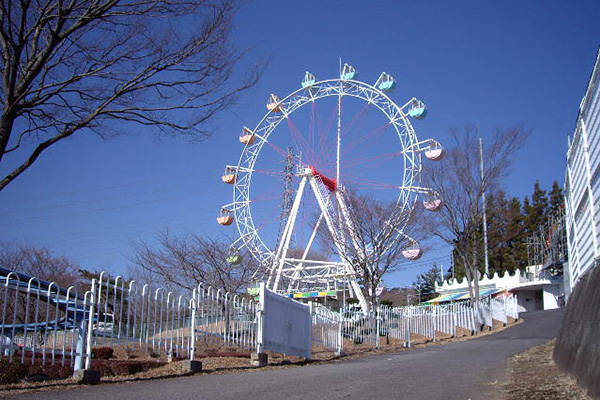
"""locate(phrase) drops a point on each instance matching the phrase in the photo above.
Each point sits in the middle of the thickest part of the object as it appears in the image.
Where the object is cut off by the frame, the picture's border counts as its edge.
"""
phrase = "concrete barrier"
(577, 350)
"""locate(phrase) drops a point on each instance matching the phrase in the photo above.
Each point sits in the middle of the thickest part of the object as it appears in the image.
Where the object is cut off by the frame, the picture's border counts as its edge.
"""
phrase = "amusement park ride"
(324, 174)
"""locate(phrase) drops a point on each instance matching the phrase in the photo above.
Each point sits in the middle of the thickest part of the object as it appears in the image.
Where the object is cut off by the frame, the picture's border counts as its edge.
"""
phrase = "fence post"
(260, 358)
(90, 328)
(377, 328)
(340, 334)
(408, 314)
(435, 321)
(193, 327)
(454, 322)
(260, 323)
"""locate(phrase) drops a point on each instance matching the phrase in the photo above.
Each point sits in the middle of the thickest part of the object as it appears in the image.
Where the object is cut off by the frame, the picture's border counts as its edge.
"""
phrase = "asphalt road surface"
(471, 369)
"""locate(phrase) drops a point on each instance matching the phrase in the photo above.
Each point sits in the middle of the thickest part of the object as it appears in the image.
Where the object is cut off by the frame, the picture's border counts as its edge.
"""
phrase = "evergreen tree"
(516, 254)
(556, 198)
(425, 283)
(509, 223)
(536, 213)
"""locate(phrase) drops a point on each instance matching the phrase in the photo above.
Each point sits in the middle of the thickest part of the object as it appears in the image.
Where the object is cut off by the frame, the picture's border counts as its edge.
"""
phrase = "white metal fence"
(42, 323)
(403, 323)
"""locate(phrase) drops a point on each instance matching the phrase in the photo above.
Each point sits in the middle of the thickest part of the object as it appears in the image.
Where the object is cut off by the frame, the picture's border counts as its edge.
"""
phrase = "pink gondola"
(412, 253)
(433, 203)
(435, 152)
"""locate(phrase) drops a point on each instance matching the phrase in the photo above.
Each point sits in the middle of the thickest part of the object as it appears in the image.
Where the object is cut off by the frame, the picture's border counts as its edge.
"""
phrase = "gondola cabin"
(385, 83)
(309, 80)
(418, 110)
(234, 259)
(349, 72)
(229, 175)
(274, 103)
(412, 253)
(433, 204)
(247, 136)
(225, 217)
(435, 152)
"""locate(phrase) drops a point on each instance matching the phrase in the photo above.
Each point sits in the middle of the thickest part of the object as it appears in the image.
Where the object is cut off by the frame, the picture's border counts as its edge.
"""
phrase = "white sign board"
(286, 324)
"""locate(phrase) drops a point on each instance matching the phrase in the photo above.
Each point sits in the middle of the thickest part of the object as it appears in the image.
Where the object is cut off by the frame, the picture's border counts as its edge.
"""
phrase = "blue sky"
(491, 63)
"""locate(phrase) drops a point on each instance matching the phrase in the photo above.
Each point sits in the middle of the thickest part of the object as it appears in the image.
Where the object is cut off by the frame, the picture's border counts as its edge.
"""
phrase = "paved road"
(459, 370)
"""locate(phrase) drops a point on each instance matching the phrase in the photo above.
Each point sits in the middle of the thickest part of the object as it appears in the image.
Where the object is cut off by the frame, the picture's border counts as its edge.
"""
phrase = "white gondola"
(417, 110)
(225, 217)
(247, 136)
(229, 175)
(413, 252)
(349, 72)
(385, 83)
(274, 103)
(435, 152)
(309, 80)
(433, 202)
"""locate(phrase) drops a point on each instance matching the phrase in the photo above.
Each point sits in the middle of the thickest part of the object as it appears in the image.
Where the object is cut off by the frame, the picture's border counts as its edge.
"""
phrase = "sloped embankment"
(577, 349)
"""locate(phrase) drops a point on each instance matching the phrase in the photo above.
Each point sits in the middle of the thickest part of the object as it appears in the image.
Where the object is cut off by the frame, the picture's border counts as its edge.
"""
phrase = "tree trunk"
(6, 125)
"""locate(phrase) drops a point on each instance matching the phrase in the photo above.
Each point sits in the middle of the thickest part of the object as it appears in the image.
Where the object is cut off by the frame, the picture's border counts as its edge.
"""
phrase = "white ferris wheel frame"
(411, 151)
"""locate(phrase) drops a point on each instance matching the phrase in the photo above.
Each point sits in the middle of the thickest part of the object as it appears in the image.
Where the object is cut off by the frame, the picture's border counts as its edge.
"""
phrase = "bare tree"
(184, 262)
(458, 180)
(40, 263)
(104, 66)
(372, 240)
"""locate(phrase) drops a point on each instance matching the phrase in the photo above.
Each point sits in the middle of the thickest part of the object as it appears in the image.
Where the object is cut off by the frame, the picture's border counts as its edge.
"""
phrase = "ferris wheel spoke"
(374, 134)
(301, 143)
(324, 134)
(372, 161)
(357, 120)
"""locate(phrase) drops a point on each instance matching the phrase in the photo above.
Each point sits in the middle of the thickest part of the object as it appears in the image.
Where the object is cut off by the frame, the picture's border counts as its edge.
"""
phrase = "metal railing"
(331, 328)
(41, 322)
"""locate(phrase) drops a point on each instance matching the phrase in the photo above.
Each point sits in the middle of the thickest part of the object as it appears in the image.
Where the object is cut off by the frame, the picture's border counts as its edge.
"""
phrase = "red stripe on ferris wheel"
(330, 183)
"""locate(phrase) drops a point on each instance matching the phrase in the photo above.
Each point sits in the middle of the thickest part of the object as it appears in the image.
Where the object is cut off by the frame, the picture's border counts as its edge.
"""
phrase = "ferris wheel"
(300, 162)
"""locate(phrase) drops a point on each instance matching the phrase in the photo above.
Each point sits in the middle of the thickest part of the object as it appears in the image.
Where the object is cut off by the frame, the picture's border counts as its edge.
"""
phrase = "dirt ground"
(535, 376)
(223, 359)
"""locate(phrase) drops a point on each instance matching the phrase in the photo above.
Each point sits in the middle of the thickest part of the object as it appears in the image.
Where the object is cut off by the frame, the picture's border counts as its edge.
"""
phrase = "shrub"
(103, 353)
(12, 372)
(118, 367)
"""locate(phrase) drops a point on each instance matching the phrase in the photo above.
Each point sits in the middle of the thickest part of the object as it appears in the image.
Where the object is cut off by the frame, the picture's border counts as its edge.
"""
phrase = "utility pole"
(339, 130)
(485, 238)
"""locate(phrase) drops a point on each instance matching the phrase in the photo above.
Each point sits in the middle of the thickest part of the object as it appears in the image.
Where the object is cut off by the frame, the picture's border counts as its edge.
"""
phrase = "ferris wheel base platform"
(304, 295)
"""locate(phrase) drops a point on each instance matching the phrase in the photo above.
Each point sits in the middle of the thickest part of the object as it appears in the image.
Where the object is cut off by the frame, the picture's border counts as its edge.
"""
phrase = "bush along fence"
(45, 324)
(331, 329)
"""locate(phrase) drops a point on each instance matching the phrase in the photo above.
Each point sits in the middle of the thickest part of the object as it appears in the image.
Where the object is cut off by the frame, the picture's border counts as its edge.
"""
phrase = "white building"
(582, 185)
(535, 288)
